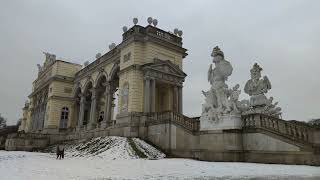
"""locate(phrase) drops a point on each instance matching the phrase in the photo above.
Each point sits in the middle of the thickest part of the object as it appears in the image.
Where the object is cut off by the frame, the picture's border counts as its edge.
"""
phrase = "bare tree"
(3, 122)
(315, 122)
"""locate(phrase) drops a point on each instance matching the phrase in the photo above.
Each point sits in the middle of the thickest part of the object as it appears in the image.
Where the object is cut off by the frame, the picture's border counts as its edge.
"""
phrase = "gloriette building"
(135, 90)
(145, 70)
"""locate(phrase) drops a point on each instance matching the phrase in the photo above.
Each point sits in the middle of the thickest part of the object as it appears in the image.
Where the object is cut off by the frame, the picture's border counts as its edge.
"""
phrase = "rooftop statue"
(50, 58)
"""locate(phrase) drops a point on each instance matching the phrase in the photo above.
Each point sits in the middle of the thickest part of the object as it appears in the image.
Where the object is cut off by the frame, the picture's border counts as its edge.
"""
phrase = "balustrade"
(294, 131)
(186, 122)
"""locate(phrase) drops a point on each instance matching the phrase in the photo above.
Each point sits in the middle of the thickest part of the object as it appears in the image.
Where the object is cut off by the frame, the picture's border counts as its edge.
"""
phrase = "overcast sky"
(282, 36)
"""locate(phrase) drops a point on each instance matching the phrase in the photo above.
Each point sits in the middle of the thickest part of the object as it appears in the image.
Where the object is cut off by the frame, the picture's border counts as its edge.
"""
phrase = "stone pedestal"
(227, 121)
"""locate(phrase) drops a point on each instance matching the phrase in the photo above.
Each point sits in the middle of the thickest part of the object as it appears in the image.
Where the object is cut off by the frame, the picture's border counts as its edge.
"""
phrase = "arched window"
(64, 118)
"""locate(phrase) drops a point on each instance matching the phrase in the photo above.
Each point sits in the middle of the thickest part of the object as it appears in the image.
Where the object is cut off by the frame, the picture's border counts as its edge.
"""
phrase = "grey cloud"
(282, 36)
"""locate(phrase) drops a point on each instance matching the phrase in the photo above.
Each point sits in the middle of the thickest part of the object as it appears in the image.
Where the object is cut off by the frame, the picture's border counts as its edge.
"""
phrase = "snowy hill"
(110, 148)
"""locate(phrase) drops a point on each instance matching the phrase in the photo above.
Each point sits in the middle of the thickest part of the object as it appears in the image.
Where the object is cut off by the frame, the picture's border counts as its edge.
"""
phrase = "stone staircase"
(192, 125)
(294, 132)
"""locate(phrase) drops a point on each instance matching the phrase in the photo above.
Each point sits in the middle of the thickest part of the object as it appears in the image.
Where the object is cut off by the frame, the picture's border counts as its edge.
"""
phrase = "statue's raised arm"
(210, 74)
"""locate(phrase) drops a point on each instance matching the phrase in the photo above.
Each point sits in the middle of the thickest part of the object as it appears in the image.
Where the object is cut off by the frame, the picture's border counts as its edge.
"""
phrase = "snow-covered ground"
(117, 158)
(43, 166)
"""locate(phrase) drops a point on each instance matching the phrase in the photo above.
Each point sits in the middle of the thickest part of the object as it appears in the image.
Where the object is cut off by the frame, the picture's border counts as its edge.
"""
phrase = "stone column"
(107, 110)
(147, 94)
(81, 110)
(175, 98)
(180, 103)
(153, 95)
(92, 122)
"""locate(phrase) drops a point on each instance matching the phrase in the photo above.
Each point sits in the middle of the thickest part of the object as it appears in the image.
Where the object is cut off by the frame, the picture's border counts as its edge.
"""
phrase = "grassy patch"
(136, 149)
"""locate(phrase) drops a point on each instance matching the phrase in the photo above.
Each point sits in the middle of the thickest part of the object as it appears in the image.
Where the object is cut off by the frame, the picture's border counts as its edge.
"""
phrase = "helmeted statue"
(217, 78)
(256, 88)
(222, 108)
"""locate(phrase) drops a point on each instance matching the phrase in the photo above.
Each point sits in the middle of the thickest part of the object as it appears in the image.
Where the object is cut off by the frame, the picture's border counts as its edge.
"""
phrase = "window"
(127, 57)
(64, 118)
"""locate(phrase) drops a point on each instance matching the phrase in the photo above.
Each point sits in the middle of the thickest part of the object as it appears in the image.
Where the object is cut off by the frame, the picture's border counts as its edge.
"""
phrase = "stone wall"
(177, 141)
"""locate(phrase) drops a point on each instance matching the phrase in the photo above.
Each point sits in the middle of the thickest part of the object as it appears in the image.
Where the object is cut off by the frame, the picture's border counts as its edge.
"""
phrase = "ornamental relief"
(124, 96)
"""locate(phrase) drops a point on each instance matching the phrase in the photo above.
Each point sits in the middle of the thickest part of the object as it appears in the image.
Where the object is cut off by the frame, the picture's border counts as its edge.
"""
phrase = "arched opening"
(114, 86)
(101, 98)
(77, 97)
(87, 104)
(64, 118)
(38, 113)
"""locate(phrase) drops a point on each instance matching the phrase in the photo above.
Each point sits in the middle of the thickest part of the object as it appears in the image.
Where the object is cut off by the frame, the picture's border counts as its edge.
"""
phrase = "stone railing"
(153, 32)
(294, 131)
(191, 124)
(8, 129)
(28, 135)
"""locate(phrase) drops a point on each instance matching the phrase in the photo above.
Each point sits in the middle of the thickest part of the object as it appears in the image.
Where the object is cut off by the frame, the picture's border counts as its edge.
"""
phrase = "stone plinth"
(224, 122)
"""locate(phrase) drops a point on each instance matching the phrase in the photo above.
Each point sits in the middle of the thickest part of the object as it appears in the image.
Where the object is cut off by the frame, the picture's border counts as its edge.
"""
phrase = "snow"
(109, 148)
(17, 165)
(114, 158)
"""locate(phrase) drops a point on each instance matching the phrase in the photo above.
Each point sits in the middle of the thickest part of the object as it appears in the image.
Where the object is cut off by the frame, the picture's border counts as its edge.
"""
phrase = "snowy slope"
(111, 148)
(15, 165)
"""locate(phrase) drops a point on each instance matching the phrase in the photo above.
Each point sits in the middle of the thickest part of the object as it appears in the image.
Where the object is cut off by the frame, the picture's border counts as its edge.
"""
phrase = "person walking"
(60, 151)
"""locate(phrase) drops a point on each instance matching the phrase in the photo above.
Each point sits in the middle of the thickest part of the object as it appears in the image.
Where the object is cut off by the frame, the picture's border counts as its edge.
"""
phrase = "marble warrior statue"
(256, 88)
(217, 78)
(219, 99)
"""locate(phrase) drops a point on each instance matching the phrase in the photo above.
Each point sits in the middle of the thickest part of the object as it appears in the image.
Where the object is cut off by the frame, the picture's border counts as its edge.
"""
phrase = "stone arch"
(88, 95)
(113, 86)
(102, 74)
(77, 89)
(88, 84)
(114, 72)
(101, 89)
(77, 93)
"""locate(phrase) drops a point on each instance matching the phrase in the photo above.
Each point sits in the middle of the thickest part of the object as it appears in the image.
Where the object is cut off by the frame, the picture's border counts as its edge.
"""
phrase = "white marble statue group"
(220, 100)
(50, 58)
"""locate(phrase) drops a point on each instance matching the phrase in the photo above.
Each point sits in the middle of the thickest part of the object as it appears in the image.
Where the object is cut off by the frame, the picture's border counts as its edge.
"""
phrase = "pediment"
(164, 66)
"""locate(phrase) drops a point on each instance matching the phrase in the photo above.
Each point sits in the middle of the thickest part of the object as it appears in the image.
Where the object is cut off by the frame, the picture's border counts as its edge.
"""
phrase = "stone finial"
(125, 29)
(149, 20)
(155, 22)
(98, 55)
(112, 46)
(175, 31)
(135, 21)
(86, 63)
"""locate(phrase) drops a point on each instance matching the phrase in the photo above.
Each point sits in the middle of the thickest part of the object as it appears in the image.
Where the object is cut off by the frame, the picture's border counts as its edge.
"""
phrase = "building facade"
(142, 74)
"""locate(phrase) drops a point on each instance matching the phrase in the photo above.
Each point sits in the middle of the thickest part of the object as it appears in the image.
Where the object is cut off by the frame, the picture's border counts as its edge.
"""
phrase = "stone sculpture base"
(227, 121)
